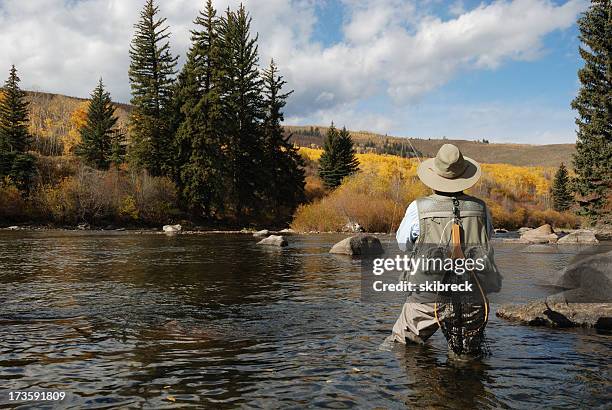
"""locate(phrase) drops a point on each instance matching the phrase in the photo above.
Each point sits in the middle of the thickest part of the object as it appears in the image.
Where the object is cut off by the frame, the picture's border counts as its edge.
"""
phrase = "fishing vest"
(436, 216)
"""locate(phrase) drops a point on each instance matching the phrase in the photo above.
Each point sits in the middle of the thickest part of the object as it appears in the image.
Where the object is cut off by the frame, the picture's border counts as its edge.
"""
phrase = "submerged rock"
(358, 245)
(579, 236)
(274, 240)
(540, 248)
(262, 233)
(172, 228)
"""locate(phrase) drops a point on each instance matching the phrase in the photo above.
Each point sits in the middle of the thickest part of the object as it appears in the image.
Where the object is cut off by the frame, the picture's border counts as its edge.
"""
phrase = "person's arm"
(409, 227)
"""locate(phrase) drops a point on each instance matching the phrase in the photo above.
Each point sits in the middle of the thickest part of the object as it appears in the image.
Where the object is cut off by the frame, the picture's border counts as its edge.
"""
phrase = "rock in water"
(274, 240)
(172, 228)
(584, 303)
(559, 314)
(589, 279)
(543, 234)
(261, 234)
(580, 236)
(358, 245)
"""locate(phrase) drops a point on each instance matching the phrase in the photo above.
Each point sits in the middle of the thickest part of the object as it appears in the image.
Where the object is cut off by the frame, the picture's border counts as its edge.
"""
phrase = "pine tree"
(98, 133)
(242, 113)
(561, 191)
(593, 159)
(283, 162)
(15, 163)
(151, 74)
(14, 135)
(199, 139)
(338, 159)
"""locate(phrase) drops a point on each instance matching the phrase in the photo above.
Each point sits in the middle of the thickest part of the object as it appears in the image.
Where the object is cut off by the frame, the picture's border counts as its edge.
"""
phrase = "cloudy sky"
(501, 70)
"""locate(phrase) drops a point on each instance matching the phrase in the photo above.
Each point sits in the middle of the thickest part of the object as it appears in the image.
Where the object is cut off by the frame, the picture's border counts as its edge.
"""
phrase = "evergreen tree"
(99, 131)
(561, 192)
(338, 159)
(283, 162)
(593, 158)
(14, 135)
(242, 113)
(199, 139)
(151, 74)
(15, 163)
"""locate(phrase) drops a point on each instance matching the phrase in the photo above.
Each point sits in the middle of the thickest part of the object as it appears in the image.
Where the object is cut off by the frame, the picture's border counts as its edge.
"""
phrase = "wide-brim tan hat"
(449, 171)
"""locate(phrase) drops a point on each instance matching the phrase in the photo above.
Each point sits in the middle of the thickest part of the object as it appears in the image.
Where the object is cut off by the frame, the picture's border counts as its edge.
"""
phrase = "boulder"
(172, 228)
(559, 314)
(274, 240)
(13, 228)
(83, 227)
(523, 230)
(579, 236)
(543, 234)
(287, 231)
(587, 279)
(261, 234)
(358, 245)
(603, 233)
(500, 230)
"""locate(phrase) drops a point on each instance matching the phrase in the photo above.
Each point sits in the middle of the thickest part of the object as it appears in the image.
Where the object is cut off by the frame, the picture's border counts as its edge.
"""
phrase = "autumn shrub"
(377, 196)
(376, 200)
(13, 206)
(113, 196)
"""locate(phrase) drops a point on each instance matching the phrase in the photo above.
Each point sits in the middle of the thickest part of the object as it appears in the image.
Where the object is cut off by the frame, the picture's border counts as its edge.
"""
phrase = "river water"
(126, 320)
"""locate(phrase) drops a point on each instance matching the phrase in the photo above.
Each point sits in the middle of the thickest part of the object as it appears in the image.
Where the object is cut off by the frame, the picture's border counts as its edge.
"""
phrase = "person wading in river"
(459, 225)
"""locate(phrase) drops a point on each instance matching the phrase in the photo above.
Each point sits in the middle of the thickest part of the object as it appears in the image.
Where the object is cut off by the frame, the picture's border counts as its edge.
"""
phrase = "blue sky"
(501, 70)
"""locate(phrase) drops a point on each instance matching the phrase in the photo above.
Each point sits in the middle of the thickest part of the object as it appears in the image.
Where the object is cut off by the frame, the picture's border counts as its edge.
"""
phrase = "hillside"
(492, 153)
(50, 118)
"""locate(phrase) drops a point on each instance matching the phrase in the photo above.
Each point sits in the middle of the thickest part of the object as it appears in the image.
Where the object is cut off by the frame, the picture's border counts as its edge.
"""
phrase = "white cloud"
(390, 47)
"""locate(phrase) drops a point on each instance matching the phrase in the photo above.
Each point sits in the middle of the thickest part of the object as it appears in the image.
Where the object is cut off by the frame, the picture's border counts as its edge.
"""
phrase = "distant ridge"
(551, 155)
(58, 108)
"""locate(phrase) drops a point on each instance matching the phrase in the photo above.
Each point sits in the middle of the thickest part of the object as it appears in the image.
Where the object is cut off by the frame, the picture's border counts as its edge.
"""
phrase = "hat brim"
(468, 179)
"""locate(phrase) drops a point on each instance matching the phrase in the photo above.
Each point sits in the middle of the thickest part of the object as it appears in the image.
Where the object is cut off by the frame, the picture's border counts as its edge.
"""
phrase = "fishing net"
(463, 318)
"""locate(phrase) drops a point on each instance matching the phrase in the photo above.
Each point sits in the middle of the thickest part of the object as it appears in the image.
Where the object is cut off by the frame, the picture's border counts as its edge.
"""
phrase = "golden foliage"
(378, 195)
(78, 119)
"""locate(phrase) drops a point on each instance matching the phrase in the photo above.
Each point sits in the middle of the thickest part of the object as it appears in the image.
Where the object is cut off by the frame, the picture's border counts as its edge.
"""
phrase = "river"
(126, 320)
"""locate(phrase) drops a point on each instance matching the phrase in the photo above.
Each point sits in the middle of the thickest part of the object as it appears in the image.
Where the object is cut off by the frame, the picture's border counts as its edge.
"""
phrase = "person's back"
(448, 218)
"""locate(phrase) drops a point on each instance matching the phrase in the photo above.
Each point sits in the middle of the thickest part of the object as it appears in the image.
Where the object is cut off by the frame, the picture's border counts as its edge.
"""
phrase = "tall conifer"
(338, 159)
(151, 74)
(14, 135)
(593, 158)
(242, 113)
(199, 139)
(283, 162)
(96, 147)
(561, 191)
(15, 163)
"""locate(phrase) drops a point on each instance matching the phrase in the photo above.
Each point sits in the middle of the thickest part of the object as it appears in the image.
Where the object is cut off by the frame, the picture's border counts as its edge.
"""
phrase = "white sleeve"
(409, 227)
